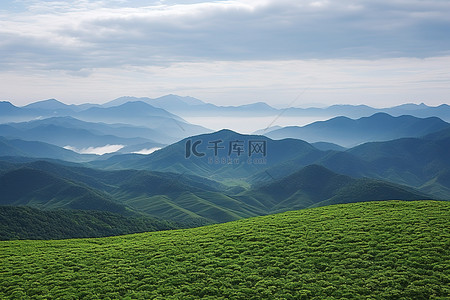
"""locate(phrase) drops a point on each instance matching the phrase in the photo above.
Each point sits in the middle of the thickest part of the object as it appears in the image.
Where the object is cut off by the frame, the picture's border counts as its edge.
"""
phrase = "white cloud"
(94, 34)
(243, 50)
(374, 82)
(147, 151)
(96, 150)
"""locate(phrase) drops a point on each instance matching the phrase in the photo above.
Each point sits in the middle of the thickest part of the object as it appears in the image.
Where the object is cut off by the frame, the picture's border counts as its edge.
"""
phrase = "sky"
(283, 52)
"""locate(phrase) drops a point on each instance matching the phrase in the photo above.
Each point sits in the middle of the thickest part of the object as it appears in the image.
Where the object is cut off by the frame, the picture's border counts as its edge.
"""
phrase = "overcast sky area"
(283, 52)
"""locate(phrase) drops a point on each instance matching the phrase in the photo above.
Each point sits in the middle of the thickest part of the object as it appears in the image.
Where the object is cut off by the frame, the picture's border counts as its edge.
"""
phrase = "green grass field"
(373, 250)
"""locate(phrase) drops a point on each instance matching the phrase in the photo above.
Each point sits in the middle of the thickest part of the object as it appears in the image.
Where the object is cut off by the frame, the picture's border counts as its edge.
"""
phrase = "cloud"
(380, 82)
(227, 52)
(72, 35)
(147, 150)
(96, 150)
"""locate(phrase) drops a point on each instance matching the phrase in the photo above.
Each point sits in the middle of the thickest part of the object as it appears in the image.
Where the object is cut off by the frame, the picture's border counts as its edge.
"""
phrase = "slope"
(30, 223)
(412, 161)
(315, 185)
(26, 186)
(190, 199)
(393, 249)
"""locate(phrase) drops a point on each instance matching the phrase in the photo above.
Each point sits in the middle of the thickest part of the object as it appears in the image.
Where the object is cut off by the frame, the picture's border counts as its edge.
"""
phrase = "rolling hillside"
(385, 250)
(185, 198)
(315, 186)
(31, 187)
(19, 223)
(182, 197)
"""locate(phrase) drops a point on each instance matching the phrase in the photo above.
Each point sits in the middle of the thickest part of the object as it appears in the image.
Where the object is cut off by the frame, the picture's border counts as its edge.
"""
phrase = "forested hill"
(376, 250)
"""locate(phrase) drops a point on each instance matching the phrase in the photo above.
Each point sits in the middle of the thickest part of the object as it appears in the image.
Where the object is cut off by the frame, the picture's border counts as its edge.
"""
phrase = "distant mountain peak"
(7, 104)
(412, 106)
(137, 103)
(124, 99)
(258, 105)
(47, 104)
(171, 98)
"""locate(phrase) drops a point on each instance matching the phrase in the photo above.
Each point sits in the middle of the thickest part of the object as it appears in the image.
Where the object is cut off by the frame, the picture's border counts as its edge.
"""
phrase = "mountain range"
(192, 107)
(417, 162)
(139, 158)
(155, 124)
(349, 132)
(142, 124)
(179, 197)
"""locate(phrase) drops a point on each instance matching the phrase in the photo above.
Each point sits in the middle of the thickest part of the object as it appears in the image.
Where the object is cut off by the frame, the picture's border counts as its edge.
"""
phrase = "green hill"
(376, 250)
(416, 162)
(30, 223)
(315, 185)
(182, 197)
(25, 186)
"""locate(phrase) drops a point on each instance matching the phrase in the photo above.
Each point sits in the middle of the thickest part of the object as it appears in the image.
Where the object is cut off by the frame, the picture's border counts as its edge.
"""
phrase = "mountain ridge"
(349, 132)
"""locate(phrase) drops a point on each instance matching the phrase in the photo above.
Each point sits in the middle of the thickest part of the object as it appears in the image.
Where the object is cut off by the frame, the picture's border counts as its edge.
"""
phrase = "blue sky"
(379, 52)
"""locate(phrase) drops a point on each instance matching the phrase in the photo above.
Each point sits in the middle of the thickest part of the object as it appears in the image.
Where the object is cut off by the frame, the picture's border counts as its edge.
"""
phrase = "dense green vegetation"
(315, 186)
(183, 198)
(376, 250)
(31, 223)
(27, 186)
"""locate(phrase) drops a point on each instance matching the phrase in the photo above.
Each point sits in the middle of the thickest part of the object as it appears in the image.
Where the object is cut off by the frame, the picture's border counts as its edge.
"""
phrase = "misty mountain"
(38, 110)
(167, 102)
(359, 111)
(192, 107)
(50, 105)
(67, 131)
(135, 109)
(16, 147)
(142, 114)
(348, 132)
(57, 107)
(100, 129)
(167, 127)
(74, 137)
(11, 113)
(224, 154)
